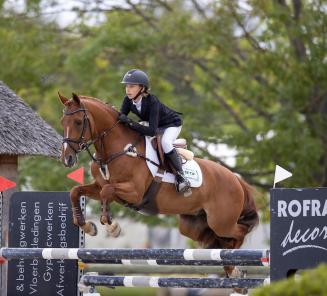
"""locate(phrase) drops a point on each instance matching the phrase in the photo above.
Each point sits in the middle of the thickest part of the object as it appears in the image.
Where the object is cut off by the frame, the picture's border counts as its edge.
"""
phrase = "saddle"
(181, 148)
(179, 144)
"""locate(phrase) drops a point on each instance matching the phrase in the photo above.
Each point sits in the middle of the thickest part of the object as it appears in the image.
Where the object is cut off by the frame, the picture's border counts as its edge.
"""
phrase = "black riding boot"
(182, 183)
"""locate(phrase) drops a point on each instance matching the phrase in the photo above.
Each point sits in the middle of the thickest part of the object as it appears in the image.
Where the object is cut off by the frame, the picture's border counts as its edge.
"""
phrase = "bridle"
(81, 140)
(82, 144)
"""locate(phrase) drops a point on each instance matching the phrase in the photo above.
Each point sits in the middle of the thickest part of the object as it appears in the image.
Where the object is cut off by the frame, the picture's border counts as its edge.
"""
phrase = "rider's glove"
(124, 119)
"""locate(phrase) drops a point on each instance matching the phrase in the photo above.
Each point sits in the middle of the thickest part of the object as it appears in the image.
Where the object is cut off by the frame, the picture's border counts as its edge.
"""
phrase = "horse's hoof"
(114, 229)
(103, 220)
(90, 228)
(236, 273)
(241, 291)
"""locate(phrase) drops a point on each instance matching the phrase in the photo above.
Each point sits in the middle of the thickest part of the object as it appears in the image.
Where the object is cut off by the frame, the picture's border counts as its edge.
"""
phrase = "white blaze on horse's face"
(66, 135)
(68, 155)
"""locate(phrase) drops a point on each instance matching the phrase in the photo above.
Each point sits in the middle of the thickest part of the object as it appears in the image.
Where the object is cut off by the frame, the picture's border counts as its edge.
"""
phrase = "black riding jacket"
(157, 114)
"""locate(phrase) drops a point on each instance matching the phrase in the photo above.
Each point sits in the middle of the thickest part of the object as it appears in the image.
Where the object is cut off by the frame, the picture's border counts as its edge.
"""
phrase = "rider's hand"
(124, 119)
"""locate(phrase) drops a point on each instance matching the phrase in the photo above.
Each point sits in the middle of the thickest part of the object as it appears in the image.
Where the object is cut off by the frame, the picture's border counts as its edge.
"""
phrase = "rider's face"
(132, 90)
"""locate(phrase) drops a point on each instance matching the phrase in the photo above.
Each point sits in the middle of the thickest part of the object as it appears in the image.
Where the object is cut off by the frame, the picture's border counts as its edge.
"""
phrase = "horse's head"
(77, 129)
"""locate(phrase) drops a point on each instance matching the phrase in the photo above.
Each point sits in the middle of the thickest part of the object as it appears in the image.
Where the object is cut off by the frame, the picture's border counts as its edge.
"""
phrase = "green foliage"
(310, 283)
(41, 173)
(250, 76)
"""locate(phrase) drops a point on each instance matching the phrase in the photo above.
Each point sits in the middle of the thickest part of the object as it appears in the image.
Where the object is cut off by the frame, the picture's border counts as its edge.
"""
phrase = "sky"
(63, 12)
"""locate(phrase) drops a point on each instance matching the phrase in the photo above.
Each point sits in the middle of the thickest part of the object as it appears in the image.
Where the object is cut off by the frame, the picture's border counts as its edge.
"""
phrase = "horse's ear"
(63, 99)
(76, 98)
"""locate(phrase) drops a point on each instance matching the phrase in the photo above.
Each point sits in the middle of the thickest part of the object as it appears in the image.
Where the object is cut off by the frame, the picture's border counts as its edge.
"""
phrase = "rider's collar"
(138, 101)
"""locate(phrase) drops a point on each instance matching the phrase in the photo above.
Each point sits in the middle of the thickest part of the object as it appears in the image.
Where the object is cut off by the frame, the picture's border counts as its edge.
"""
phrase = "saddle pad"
(192, 170)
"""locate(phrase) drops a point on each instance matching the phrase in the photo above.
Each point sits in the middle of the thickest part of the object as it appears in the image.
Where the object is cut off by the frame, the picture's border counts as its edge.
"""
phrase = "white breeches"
(169, 136)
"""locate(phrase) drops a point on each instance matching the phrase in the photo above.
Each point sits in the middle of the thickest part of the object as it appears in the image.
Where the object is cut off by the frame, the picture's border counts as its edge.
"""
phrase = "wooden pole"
(8, 170)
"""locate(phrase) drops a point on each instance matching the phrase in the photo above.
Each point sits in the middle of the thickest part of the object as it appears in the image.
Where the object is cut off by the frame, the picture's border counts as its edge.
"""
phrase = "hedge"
(312, 282)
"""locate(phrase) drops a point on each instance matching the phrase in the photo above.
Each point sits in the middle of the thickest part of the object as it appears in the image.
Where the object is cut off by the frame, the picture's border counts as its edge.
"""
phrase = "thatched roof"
(22, 131)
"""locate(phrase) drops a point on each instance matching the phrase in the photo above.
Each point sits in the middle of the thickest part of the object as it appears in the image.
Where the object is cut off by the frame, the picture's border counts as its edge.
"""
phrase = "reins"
(85, 145)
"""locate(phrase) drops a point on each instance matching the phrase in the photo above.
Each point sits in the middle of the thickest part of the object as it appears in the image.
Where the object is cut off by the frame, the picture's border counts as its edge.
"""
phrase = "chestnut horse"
(217, 215)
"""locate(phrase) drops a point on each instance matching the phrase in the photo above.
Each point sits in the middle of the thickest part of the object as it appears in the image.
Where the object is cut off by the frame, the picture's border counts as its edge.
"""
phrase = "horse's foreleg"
(78, 217)
(107, 196)
(126, 191)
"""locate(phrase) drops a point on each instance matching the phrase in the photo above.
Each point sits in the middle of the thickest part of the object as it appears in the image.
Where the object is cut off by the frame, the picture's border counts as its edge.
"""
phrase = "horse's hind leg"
(231, 238)
(91, 190)
(193, 227)
(197, 228)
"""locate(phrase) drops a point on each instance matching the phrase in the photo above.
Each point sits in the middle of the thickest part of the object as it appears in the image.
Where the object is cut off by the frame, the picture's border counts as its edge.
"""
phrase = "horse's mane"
(106, 106)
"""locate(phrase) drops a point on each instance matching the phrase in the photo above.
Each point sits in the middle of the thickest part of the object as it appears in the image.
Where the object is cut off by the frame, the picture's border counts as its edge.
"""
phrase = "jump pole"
(161, 282)
(219, 255)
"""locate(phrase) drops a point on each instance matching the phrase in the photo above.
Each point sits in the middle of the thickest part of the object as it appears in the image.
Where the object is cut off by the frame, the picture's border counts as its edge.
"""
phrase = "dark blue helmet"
(136, 76)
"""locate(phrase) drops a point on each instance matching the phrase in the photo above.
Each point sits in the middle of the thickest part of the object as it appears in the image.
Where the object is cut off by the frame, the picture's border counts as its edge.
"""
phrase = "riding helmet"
(136, 76)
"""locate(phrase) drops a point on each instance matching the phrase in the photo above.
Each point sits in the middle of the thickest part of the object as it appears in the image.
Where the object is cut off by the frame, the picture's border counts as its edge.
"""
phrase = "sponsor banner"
(42, 220)
(298, 230)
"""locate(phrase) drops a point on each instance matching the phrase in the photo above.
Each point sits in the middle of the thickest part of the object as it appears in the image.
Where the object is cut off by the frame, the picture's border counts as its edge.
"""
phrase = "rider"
(161, 119)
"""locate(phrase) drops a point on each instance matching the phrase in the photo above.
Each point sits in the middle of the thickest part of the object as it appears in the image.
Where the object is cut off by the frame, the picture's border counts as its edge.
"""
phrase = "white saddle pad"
(191, 168)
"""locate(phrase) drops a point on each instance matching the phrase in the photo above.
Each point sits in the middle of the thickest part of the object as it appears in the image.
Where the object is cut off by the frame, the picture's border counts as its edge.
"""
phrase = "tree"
(249, 74)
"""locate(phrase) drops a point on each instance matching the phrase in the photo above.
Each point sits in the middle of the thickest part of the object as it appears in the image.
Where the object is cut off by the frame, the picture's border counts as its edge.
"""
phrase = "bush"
(312, 282)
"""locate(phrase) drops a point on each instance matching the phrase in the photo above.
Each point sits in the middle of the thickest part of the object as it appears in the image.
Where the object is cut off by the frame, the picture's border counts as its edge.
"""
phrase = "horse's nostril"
(70, 159)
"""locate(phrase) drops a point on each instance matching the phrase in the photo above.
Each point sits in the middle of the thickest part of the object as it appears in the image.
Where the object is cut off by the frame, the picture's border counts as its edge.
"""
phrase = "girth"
(148, 206)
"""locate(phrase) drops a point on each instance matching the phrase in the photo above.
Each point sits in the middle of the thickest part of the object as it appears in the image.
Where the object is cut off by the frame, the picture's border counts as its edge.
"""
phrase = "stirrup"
(183, 189)
(184, 181)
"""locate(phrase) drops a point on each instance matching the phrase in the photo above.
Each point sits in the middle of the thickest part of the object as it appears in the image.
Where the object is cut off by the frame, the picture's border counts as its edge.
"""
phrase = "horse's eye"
(78, 122)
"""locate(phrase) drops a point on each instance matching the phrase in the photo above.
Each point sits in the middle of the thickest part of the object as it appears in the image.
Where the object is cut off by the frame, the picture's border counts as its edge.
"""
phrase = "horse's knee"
(75, 193)
(107, 191)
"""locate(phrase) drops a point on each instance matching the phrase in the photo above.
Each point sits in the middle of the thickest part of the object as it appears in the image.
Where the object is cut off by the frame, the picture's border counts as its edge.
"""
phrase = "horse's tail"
(249, 215)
